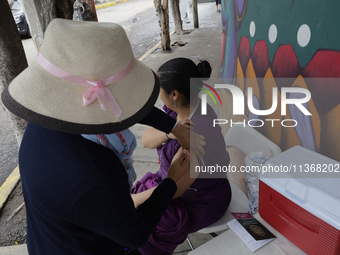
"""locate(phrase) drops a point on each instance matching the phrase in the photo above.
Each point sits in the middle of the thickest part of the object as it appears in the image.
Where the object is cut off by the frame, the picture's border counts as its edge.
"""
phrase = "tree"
(47, 11)
(12, 56)
(64, 8)
(176, 13)
(12, 61)
(163, 18)
(195, 13)
(41, 12)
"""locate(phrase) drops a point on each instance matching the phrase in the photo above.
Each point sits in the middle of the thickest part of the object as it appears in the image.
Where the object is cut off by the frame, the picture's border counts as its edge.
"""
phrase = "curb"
(19, 249)
(101, 6)
(8, 186)
(149, 52)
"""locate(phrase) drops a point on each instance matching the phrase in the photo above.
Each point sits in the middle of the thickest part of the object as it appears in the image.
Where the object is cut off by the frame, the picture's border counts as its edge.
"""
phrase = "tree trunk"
(65, 9)
(12, 56)
(47, 11)
(12, 61)
(41, 12)
(176, 13)
(90, 10)
(163, 18)
(195, 13)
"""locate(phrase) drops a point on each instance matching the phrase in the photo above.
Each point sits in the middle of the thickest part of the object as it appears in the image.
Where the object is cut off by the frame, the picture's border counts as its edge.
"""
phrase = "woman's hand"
(183, 132)
(185, 182)
(186, 123)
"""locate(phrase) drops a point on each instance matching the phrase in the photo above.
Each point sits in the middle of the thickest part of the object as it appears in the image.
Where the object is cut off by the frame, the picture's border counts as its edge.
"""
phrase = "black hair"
(175, 74)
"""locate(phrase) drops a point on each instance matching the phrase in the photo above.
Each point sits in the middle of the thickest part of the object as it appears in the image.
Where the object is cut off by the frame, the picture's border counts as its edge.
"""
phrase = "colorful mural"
(287, 44)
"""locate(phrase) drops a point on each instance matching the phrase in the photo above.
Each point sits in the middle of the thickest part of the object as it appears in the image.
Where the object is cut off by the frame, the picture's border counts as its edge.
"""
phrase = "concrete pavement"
(203, 43)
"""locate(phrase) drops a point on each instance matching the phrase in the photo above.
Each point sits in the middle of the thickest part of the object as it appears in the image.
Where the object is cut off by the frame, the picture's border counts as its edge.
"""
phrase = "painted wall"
(299, 40)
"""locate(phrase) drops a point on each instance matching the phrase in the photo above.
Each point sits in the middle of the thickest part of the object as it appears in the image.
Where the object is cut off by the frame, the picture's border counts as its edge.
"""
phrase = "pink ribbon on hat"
(97, 89)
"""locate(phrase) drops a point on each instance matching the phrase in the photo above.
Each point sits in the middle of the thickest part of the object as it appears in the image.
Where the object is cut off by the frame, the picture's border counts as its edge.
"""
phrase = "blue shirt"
(123, 144)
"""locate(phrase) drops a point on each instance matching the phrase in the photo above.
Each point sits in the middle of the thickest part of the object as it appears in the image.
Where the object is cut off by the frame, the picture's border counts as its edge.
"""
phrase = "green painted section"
(208, 92)
(322, 17)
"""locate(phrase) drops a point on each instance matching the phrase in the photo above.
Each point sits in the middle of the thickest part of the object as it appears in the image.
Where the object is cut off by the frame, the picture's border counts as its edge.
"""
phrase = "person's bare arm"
(178, 168)
(161, 121)
(153, 138)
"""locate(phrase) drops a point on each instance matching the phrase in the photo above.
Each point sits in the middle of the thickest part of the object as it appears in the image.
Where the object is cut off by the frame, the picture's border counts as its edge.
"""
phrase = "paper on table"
(252, 244)
(253, 226)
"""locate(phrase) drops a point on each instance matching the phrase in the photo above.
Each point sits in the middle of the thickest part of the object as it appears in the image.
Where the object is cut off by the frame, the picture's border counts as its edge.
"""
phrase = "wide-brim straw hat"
(90, 51)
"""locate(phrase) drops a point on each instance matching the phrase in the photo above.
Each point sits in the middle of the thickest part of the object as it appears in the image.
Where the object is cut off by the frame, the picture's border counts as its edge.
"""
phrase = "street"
(138, 17)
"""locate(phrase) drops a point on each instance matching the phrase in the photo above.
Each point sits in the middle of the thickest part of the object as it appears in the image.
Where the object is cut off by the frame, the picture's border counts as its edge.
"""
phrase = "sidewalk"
(202, 44)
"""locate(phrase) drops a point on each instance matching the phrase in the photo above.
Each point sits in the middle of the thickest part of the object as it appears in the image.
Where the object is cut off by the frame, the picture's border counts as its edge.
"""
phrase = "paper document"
(252, 244)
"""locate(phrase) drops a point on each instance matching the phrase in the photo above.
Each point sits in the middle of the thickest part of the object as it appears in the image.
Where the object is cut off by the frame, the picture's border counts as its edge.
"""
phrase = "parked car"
(20, 18)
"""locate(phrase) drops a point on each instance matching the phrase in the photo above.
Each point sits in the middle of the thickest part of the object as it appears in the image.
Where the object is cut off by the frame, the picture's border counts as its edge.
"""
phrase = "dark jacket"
(77, 197)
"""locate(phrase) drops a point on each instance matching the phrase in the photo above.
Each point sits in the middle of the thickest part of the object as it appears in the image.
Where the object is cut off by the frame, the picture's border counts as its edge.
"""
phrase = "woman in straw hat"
(76, 192)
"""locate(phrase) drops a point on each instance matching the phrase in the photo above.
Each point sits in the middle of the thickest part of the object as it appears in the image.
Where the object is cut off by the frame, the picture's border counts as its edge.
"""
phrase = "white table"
(228, 243)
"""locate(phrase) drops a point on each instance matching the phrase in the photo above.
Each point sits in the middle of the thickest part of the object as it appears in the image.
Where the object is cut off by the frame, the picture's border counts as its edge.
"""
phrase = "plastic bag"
(255, 158)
